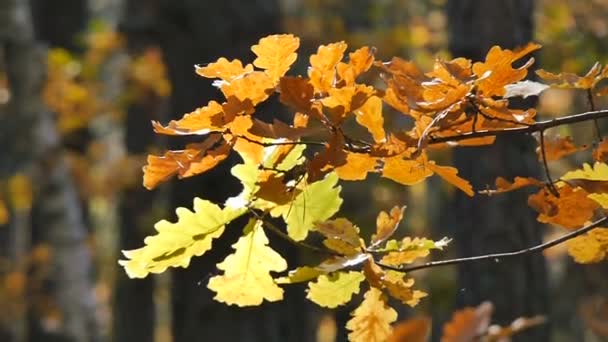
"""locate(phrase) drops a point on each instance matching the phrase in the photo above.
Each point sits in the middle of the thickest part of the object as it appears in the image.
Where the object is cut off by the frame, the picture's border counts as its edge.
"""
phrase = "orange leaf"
(572, 209)
(557, 148)
(342, 101)
(359, 62)
(370, 116)
(224, 69)
(569, 80)
(497, 71)
(195, 159)
(255, 86)
(450, 175)
(503, 185)
(200, 122)
(276, 54)
(357, 166)
(416, 329)
(469, 323)
(386, 224)
(322, 71)
(406, 172)
(600, 153)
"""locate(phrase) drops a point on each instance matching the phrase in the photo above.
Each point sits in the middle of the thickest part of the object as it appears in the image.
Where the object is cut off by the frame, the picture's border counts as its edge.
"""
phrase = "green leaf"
(176, 243)
(336, 289)
(317, 202)
(246, 280)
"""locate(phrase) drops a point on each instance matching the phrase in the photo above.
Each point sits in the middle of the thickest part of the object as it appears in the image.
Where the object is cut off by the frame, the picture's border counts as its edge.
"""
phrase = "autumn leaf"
(400, 287)
(450, 175)
(408, 250)
(600, 153)
(246, 280)
(406, 172)
(176, 243)
(571, 210)
(322, 71)
(296, 92)
(194, 160)
(370, 116)
(589, 248)
(316, 202)
(336, 263)
(359, 62)
(417, 329)
(335, 289)
(276, 54)
(356, 167)
(341, 236)
(569, 80)
(503, 185)
(557, 148)
(371, 321)
(468, 323)
(497, 70)
(386, 224)
(201, 121)
(224, 69)
(4, 214)
(254, 87)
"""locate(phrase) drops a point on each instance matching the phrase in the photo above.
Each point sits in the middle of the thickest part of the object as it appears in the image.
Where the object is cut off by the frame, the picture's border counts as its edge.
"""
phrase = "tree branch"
(537, 127)
(498, 256)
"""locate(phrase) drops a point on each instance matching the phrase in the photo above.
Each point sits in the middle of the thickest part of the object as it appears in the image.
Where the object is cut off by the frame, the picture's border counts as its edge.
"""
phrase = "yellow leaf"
(357, 166)
(255, 86)
(176, 243)
(589, 248)
(336, 289)
(372, 320)
(246, 280)
(408, 250)
(400, 288)
(4, 215)
(276, 54)
(599, 172)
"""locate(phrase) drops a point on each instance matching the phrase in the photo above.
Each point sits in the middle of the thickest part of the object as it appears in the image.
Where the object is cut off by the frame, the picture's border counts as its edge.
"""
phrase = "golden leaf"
(386, 224)
(370, 116)
(246, 280)
(372, 320)
(336, 289)
(322, 71)
(224, 69)
(450, 175)
(276, 54)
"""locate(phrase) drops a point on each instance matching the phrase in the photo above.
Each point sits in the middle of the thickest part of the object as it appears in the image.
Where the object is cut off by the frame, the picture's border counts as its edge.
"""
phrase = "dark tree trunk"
(192, 32)
(517, 287)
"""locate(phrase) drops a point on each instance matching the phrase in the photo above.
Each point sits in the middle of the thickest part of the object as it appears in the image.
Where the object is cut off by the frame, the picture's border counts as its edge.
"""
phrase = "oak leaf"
(246, 280)
(370, 116)
(468, 324)
(417, 329)
(571, 210)
(450, 175)
(335, 289)
(176, 243)
(589, 248)
(322, 71)
(224, 69)
(558, 147)
(299, 275)
(386, 224)
(371, 321)
(201, 121)
(357, 166)
(569, 80)
(503, 185)
(406, 172)
(276, 54)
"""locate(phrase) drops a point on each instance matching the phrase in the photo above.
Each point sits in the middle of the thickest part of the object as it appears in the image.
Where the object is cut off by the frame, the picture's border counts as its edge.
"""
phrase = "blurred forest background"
(80, 82)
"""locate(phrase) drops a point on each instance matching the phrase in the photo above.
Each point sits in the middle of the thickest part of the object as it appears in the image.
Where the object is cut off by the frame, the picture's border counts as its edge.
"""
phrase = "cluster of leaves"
(290, 177)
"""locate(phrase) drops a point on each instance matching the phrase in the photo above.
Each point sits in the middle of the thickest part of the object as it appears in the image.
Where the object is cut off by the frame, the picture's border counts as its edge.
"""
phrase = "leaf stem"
(550, 185)
(591, 101)
(498, 256)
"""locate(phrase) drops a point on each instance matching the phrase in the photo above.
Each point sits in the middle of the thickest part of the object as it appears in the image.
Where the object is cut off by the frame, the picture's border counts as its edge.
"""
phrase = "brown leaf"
(359, 62)
(557, 147)
(296, 92)
(503, 185)
(469, 323)
(417, 329)
(386, 224)
(340, 229)
(569, 80)
(600, 153)
(195, 159)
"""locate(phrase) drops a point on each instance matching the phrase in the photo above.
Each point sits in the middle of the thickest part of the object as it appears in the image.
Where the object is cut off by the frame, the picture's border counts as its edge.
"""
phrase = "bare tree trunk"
(32, 144)
(501, 223)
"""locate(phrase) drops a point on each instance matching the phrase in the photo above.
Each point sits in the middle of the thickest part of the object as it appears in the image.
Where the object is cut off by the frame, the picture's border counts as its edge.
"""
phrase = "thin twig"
(498, 256)
(551, 185)
(279, 143)
(536, 127)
